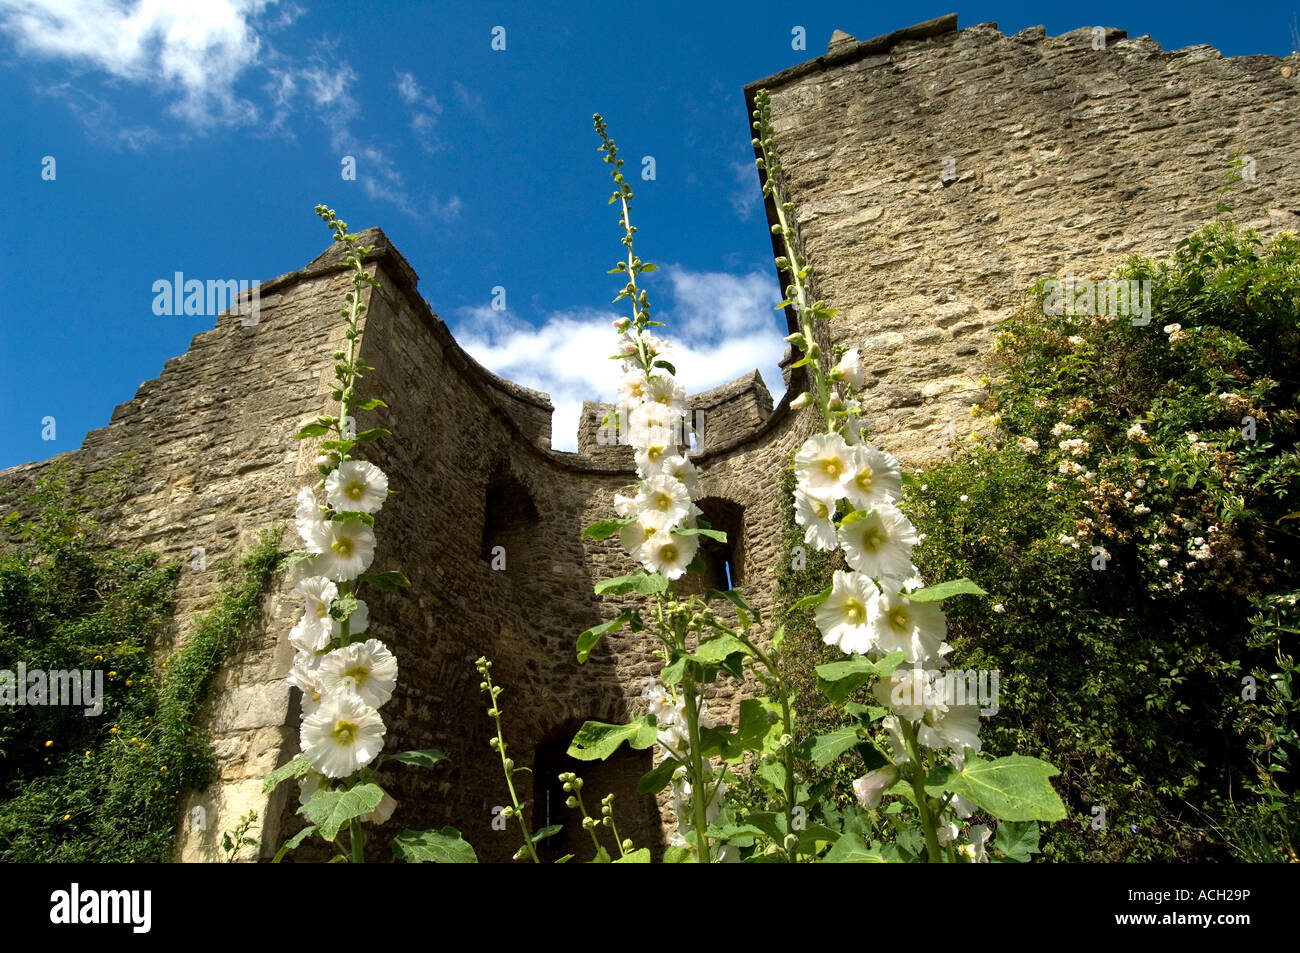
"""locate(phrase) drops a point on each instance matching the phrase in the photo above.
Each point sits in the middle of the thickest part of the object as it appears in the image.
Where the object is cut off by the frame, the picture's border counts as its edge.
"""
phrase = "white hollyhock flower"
(875, 477)
(649, 415)
(666, 391)
(308, 521)
(633, 389)
(382, 812)
(914, 628)
(894, 735)
(634, 535)
(854, 429)
(356, 486)
(624, 506)
(824, 465)
(315, 627)
(880, 543)
(818, 516)
(305, 676)
(956, 728)
(367, 668)
(682, 469)
(910, 692)
(845, 615)
(349, 548)
(663, 502)
(653, 445)
(342, 736)
(669, 554)
(850, 369)
(869, 788)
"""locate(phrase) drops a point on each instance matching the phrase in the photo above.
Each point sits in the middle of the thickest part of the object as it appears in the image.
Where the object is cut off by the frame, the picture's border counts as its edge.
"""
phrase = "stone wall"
(1065, 160)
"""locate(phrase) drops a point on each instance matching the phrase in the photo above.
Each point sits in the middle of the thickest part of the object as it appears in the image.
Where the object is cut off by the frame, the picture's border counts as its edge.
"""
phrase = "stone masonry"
(1064, 159)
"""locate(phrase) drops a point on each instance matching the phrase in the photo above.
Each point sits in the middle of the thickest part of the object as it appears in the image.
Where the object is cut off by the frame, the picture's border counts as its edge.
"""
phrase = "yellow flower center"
(821, 509)
(855, 611)
(833, 467)
(873, 538)
(358, 674)
(866, 479)
(342, 546)
(900, 619)
(344, 731)
(355, 490)
(668, 553)
(321, 611)
(662, 501)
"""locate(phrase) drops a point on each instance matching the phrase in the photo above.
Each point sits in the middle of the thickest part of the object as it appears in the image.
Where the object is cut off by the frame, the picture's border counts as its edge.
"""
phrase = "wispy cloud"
(194, 52)
(425, 110)
(722, 325)
(746, 196)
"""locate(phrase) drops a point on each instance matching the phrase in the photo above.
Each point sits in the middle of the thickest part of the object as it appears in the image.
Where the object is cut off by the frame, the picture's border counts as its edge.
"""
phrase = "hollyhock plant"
(879, 612)
(344, 677)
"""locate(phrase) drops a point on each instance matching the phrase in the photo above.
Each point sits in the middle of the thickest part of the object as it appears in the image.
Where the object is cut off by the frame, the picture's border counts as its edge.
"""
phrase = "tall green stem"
(699, 794)
(932, 847)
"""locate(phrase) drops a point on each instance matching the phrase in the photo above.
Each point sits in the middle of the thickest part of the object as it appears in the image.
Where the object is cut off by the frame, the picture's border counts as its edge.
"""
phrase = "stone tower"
(936, 173)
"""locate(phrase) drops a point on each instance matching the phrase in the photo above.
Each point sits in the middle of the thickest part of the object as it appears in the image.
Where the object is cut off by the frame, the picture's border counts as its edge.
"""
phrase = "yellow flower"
(48, 743)
(67, 817)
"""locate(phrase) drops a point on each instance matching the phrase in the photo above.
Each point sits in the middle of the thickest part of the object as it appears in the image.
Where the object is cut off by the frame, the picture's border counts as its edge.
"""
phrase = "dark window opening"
(723, 562)
(509, 519)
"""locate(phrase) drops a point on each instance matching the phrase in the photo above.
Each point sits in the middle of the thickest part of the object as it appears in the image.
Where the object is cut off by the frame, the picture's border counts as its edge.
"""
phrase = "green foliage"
(1128, 515)
(107, 787)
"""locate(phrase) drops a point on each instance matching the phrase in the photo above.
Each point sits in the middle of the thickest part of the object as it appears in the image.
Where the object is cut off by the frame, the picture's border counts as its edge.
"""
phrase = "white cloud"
(746, 197)
(195, 50)
(721, 325)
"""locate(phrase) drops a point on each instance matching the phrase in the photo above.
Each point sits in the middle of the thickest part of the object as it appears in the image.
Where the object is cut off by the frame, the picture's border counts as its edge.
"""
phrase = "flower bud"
(869, 788)
(835, 402)
(802, 401)
(621, 323)
(796, 339)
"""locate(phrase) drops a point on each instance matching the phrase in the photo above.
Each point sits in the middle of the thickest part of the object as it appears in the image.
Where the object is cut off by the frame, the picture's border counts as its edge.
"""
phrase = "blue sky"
(197, 137)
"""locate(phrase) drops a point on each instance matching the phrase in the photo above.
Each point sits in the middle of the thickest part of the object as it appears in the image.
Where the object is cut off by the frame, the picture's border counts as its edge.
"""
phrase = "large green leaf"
(956, 587)
(1014, 788)
(714, 651)
(760, 728)
(646, 583)
(587, 641)
(601, 529)
(656, 779)
(424, 757)
(838, 680)
(849, 849)
(1017, 840)
(331, 810)
(596, 741)
(821, 750)
(296, 768)
(438, 847)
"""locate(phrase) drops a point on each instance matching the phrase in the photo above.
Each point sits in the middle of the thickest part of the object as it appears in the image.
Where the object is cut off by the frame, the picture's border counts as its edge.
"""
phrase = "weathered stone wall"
(1066, 158)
